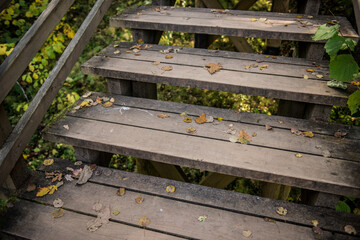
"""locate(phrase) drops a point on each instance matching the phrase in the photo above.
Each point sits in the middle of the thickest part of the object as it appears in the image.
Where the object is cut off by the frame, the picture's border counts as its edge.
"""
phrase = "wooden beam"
(5, 126)
(92, 156)
(15, 64)
(217, 180)
(20, 136)
(244, 4)
(356, 4)
(309, 7)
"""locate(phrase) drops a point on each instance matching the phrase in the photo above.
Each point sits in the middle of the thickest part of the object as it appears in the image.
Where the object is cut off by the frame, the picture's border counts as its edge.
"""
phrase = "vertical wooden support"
(275, 191)
(201, 40)
(93, 156)
(319, 199)
(118, 86)
(356, 4)
(217, 180)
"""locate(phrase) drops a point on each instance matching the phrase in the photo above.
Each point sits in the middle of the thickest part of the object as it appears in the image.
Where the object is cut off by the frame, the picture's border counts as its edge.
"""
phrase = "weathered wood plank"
(356, 4)
(217, 180)
(314, 172)
(236, 23)
(244, 4)
(15, 64)
(283, 87)
(5, 126)
(29, 220)
(235, 202)
(26, 126)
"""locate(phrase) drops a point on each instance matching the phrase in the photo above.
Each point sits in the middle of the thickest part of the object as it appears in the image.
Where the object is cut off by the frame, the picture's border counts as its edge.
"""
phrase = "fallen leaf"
(213, 67)
(243, 137)
(169, 56)
(155, 63)
(268, 127)
(86, 95)
(144, 222)
(202, 218)
(52, 189)
(183, 115)
(125, 178)
(262, 19)
(299, 17)
(220, 119)
(191, 130)
(309, 16)
(274, 57)
(315, 223)
(120, 192)
(128, 51)
(59, 184)
(306, 76)
(269, 220)
(42, 191)
(233, 139)
(340, 134)
(246, 233)
(66, 127)
(231, 131)
(138, 46)
(58, 213)
(107, 172)
(326, 153)
(77, 172)
(170, 189)
(350, 229)
(77, 163)
(317, 230)
(117, 52)
(308, 134)
(201, 119)
(147, 47)
(281, 211)
(85, 175)
(58, 177)
(112, 100)
(107, 104)
(167, 68)
(102, 218)
(48, 162)
(310, 70)
(31, 187)
(281, 122)
(58, 203)
(93, 166)
(162, 115)
(210, 119)
(254, 134)
(139, 199)
(116, 212)
(319, 76)
(253, 19)
(85, 104)
(187, 120)
(137, 54)
(97, 206)
(298, 155)
(265, 66)
(68, 177)
(116, 45)
(296, 132)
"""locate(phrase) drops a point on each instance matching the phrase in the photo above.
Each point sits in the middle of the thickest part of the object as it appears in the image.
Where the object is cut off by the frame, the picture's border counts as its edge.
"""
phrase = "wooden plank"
(313, 172)
(15, 64)
(28, 123)
(174, 217)
(283, 87)
(29, 220)
(5, 126)
(340, 148)
(356, 4)
(309, 7)
(298, 214)
(236, 23)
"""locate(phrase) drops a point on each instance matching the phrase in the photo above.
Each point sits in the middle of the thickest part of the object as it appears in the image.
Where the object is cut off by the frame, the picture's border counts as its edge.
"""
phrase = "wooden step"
(172, 215)
(269, 25)
(283, 78)
(131, 127)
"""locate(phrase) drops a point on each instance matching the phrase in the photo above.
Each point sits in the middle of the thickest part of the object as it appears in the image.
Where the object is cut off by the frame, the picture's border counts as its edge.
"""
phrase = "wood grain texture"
(277, 81)
(139, 133)
(356, 4)
(29, 220)
(234, 23)
(28, 123)
(192, 195)
(14, 65)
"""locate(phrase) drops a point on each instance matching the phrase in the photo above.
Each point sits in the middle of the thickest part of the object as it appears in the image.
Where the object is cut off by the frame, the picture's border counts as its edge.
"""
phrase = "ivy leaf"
(354, 102)
(324, 32)
(343, 207)
(349, 43)
(334, 44)
(343, 67)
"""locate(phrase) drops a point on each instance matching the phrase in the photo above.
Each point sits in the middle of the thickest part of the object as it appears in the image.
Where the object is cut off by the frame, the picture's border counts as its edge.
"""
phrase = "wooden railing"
(12, 68)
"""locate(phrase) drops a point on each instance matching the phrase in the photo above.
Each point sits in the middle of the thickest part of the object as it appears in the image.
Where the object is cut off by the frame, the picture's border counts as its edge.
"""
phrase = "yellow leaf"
(31, 68)
(116, 212)
(162, 115)
(170, 189)
(220, 119)
(139, 199)
(120, 192)
(52, 189)
(85, 104)
(187, 120)
(315, 223)
(167, 68)
(48, 162)
(169, 56)
(253, 19)
(298, 155)
(25, 156)
(42, 191)
(183, 115)
(319, 76)
(299, 17)
(246, 233)
(281, 211)
(144, 222)
(310, 70)
(71, 34)
(309, 134)
(264, 66)
(306, 76)
(107, 104)
(58, 213)
(35, 76)
(155, 63)
(191, 130)
(254, 134)
(3, 49)
(201, 119)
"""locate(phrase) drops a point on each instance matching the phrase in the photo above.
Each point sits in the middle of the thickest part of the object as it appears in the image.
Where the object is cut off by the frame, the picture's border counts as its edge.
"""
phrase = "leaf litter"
(170, 189)
(281, 211)
(85, 175)
(58, 213)
(121, 192)
(213, 67)
(48, 162)
(103, 216)
(201, 119)
(144, 221)
(243, 137)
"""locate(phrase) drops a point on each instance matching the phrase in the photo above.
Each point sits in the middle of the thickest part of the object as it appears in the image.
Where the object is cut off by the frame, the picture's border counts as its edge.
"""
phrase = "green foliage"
(354, 102)
(343, 67)
(336, 43)
(324, 32)
(343, 207)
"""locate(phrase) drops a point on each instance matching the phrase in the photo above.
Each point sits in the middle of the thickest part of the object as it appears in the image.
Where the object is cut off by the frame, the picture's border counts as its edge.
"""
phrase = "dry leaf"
(139, 199)
(243, 137)
(169, 56)
(233, 139)
(58, 177)
(102, 218)
(319, 76)
(116, 212)
(213, 67)
(274, 57)
(268, 127)
(144, 222)
(254, 134)
(191, 130)
(269, 220)
(85, 104)
(253, 19)
(120, 192)
(66, 127)
(137, 54)
(42, 191)
(58, 203)
(138, 47)
(298, 155)
(112, 100)
(201, 119)
(220, 119)
(170, 189)
(183, 115)
(308, 134)
(296, 132)
(210, 119)
(107, 172)
(281, 122)
(246, 233)
(306, 76)
(58, 213)
(86, 95)
(155, 63)
(85, 175)
(315, 223)
(310, 70)
(281, 211)
(117, 52)
(262, 19)
(264, 66)
(202, 218)
(162, 115)
(48, 162)
(31, 187)
(77, 163)
(128, 51)
(107, 104)
(350, 229)
(167, 68)
(187, 120)
(299, 17)
(68, 177)
(52, 189)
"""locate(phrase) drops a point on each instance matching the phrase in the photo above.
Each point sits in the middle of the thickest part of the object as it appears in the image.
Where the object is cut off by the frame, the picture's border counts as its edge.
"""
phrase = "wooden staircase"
(138, 125)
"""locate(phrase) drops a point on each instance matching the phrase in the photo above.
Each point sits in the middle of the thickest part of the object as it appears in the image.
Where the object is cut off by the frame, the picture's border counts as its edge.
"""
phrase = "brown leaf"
(138, 46)
(213, 67)
(93, 166)
(254, 134)
(167, 68)
(191, 130)
(139, 200)
(155, 63)
(169, 56)
(243, 137)
(201, 119)
(350, 229)
(120, 192)
(162, 115)
(268, 127)
(144, 222)
(317, 230)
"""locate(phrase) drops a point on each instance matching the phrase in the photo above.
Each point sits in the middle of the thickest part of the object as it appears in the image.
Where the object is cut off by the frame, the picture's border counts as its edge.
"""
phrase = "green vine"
(343, 67)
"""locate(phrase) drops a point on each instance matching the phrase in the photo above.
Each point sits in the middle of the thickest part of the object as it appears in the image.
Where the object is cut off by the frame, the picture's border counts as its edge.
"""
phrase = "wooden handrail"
(20, 136)
(18, 60)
